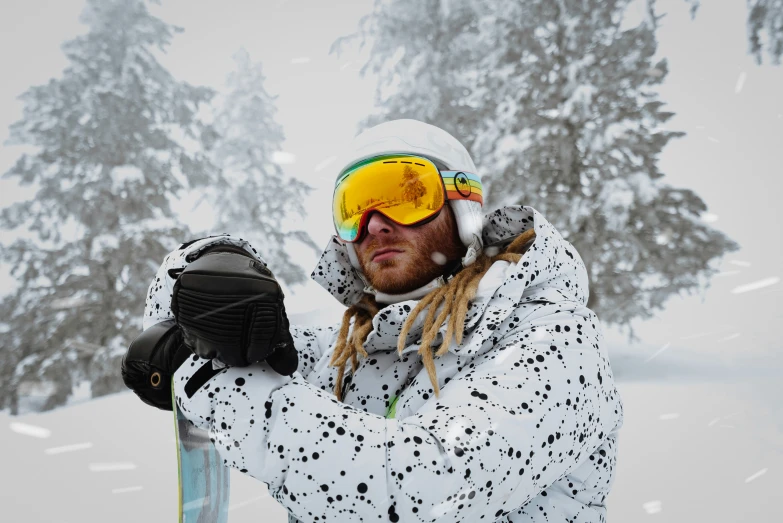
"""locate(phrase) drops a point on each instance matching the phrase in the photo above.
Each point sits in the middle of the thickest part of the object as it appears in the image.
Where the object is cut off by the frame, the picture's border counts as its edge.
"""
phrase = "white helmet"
(408, 136)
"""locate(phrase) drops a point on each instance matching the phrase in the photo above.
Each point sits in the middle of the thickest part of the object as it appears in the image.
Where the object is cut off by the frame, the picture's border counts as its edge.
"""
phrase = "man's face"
(397, 259)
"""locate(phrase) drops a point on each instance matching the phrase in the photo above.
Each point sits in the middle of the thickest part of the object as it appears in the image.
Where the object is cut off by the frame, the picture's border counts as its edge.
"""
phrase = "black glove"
(228, 305)
(151, 360)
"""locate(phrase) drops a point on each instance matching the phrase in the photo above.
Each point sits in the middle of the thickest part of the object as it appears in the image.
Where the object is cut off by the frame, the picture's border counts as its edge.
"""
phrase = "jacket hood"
(550, 271)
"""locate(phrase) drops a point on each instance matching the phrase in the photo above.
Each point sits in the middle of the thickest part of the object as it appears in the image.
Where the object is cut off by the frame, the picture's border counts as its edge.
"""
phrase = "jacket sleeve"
(314, 346)
(508, 426)
(311, 343)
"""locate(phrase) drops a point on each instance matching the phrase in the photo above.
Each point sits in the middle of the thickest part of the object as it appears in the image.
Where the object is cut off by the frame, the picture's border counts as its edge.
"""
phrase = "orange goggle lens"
(406, 189)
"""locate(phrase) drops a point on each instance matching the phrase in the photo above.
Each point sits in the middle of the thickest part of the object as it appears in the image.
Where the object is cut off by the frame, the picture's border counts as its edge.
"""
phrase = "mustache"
(374, 245)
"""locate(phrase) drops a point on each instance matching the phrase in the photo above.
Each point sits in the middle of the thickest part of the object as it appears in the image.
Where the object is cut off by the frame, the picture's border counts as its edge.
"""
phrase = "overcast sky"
(730, 107)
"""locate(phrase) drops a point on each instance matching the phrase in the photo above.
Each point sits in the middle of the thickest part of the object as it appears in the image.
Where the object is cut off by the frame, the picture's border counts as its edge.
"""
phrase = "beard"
(416, 266)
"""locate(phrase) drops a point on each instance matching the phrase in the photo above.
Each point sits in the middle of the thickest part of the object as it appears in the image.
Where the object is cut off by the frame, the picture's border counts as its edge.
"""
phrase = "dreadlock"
(455, 297)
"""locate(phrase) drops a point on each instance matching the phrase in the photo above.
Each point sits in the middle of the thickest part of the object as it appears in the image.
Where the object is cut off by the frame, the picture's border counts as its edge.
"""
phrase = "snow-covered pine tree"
(115, 138)
(765, 26)
(427, 55)
(256, 199)
(557, 104)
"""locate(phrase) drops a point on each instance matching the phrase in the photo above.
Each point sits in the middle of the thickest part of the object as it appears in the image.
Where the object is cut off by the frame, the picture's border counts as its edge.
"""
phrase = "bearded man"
(479, 387)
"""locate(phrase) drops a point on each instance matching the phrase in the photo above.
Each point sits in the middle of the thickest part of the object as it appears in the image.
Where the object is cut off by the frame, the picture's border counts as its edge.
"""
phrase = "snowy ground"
(701, 442)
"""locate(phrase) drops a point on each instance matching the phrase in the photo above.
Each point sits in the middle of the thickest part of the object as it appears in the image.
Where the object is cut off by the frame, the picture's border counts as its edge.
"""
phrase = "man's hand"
(229, 306)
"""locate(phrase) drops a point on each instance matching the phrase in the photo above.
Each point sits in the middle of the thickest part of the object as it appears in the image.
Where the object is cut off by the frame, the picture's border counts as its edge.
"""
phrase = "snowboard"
(203, 479)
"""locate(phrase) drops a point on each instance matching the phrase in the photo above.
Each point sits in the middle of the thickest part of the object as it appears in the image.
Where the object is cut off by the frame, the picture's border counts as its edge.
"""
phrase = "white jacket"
(525, 428)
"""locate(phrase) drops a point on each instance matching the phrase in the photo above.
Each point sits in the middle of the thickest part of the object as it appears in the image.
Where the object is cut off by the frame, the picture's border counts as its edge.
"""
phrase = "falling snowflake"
(658, 352)
(439, 258)
(756, 475)
(281, 157)
(755, 285)
(491, 251)
(740, 82)
(126, 489)
(68, 448)
(110, 467)
(324, 163)
(30, 430)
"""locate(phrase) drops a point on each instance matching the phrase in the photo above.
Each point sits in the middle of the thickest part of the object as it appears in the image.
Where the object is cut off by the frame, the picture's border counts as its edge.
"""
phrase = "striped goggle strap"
(463, 186)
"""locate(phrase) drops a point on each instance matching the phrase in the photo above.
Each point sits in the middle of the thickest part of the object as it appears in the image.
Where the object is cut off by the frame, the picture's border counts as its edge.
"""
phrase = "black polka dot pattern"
(525, 428)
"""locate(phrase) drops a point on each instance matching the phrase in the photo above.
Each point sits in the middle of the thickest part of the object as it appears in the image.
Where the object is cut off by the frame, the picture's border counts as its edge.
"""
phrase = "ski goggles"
(404, 188)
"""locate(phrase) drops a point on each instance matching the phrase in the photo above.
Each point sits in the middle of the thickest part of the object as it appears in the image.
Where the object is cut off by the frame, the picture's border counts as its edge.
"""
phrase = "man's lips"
(385, 254)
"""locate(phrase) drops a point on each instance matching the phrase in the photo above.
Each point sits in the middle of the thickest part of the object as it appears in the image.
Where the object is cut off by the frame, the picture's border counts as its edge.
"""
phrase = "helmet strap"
(474, 249)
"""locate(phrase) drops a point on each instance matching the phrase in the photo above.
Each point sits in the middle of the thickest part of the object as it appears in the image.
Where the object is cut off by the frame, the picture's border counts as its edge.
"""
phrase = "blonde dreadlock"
(455, 297)
(348, 346)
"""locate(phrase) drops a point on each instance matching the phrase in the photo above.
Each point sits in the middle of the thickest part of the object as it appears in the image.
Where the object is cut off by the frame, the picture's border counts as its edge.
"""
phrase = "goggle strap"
(461, 185)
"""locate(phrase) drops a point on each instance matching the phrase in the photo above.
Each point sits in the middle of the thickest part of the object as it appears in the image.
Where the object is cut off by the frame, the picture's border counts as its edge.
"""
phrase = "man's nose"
(379, 224)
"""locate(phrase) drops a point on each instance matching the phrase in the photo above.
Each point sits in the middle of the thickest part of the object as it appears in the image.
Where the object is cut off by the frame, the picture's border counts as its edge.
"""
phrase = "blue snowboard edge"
(204, 482)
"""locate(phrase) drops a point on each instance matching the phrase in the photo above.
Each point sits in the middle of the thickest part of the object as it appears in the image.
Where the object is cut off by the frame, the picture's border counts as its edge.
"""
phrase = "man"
(479, 387)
